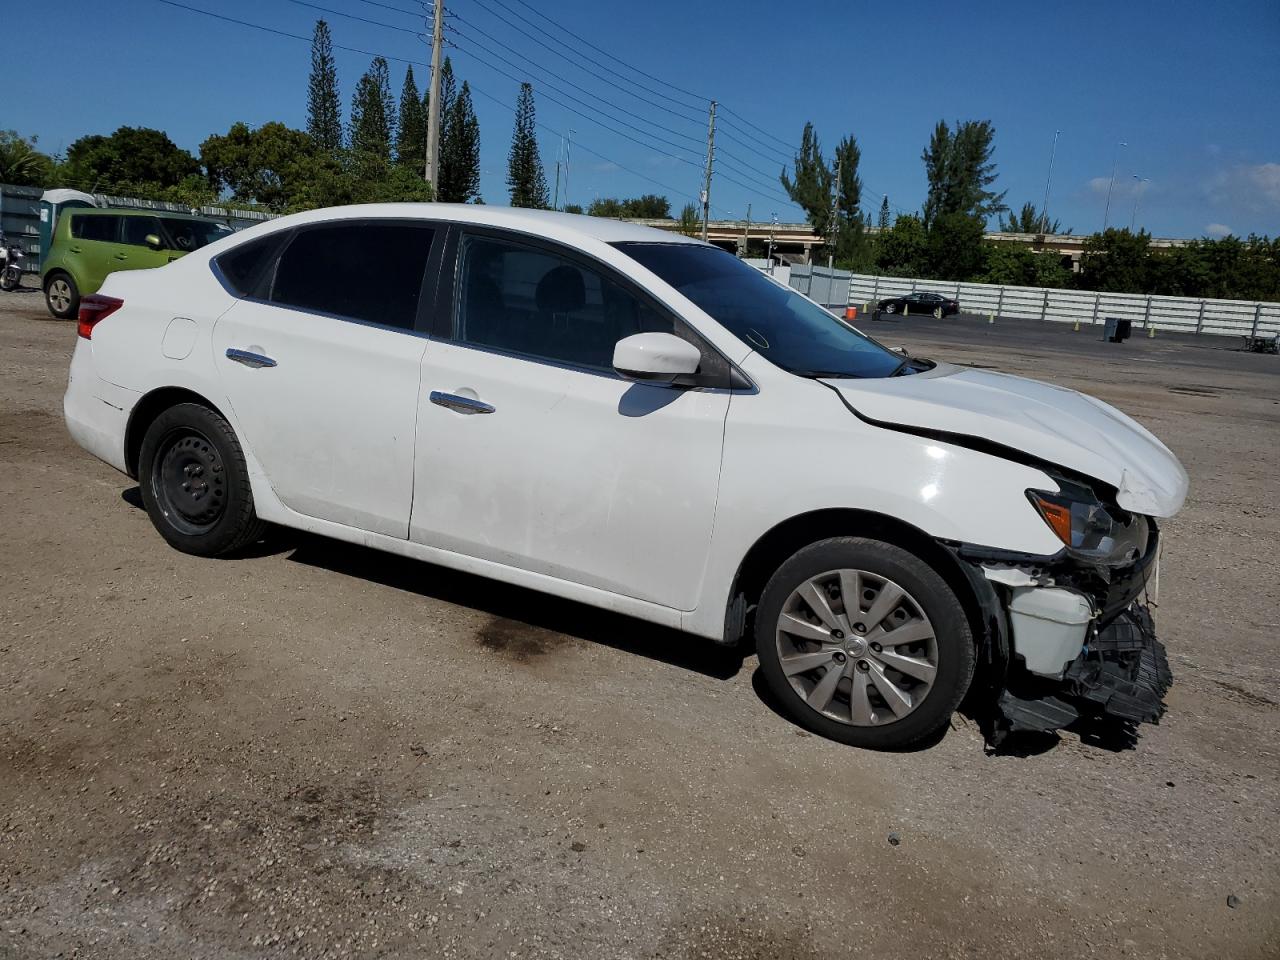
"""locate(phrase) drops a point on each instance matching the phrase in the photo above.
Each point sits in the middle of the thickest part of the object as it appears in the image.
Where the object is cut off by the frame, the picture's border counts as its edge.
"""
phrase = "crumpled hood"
(1054, 424)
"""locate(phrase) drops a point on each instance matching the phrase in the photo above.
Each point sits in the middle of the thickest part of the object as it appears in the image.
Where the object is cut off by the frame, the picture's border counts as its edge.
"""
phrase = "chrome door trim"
(452, 401)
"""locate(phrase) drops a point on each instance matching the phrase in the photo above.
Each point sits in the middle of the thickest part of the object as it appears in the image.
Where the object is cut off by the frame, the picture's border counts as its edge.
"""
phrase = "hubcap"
(60, 295)
(189, 483)
(857, 648)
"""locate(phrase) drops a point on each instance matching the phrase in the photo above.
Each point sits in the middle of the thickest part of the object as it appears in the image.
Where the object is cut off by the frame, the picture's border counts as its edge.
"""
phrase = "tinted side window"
(96, 228)
(136, 230)
(365, 271)
(243, 266)
(529, 301)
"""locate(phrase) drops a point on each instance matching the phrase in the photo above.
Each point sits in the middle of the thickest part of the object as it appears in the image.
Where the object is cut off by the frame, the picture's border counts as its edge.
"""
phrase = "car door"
(95, 238)
(534, 453)
(321, 360)
(133, 253)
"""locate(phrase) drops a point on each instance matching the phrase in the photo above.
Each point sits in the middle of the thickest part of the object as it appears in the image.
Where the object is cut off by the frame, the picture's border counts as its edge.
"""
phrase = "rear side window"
(243, 266)
(363, 271)
(96, 228)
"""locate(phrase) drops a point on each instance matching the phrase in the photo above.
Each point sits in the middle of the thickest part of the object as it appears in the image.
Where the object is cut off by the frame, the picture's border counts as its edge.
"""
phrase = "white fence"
(1181, 314)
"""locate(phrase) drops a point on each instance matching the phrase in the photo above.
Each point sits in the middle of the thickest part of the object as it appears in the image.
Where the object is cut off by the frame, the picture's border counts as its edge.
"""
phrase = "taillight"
(93, 310)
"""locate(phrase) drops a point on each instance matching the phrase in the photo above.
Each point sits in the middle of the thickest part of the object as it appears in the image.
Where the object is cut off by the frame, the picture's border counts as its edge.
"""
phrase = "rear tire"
(195, 483)
(11, 280)
(890, 308)
(844, 683)
(62, 296)
(937, 313)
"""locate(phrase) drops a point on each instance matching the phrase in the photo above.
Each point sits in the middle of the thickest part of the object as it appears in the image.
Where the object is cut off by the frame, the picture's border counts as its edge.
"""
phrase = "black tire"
(11, 280)
(955, 645)
(890, 308)
(195, 484)
(70, 311)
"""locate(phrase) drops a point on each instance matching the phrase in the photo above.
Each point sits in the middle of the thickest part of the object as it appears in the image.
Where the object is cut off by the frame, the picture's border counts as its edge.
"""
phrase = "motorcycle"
(10, 266)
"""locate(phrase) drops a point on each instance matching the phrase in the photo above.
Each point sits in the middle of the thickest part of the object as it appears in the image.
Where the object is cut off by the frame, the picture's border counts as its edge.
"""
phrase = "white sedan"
(631, 419)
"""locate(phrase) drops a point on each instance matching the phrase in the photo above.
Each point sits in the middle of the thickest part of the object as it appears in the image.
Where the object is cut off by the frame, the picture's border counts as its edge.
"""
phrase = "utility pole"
(711, 153)
(834, 227)
(433, 100)
(1115, 159)
(746, 234)
(1044, 210)
(568, 142)
(773, 225)
(1137, 195)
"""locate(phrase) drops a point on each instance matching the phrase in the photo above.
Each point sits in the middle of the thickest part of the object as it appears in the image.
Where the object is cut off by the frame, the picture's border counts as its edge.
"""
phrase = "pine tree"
(460, 148)
(411, 131)
(324, 115)
(959, 167)
(849, 227)
(811, 186)
(373, 112)
(525, 176)
(883, 223)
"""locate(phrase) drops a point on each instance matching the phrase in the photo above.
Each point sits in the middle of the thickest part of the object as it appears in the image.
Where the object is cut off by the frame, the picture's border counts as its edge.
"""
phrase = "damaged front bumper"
(1067, 642)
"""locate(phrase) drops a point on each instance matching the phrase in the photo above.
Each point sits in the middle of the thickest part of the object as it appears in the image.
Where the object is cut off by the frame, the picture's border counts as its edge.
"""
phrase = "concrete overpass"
(795, 242)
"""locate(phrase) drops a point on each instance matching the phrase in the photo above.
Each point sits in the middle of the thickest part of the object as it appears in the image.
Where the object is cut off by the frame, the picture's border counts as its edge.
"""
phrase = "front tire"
(11, 279)
(195, 484)
(864, 643)
(62, 296)
(937, 313)
(890, 308)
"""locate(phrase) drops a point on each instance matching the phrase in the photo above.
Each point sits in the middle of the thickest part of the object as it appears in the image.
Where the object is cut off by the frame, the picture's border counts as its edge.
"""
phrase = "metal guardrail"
(1178, 314)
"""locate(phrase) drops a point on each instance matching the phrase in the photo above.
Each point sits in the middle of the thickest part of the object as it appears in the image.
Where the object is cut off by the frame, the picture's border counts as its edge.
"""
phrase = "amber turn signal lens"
(1056, 515)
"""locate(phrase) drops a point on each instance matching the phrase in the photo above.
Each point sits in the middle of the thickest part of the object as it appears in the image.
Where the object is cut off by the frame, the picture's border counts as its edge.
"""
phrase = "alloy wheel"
(60, 295)
(857, 647)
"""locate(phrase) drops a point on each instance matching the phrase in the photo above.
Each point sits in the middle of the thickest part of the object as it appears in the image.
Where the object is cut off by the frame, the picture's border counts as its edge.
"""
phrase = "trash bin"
(1117, 329)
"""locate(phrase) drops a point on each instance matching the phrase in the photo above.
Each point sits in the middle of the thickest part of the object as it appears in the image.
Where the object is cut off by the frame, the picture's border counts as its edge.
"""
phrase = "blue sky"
(1191, 87)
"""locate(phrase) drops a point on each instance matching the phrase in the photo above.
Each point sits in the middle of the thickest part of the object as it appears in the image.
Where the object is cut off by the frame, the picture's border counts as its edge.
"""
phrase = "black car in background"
(920, 302)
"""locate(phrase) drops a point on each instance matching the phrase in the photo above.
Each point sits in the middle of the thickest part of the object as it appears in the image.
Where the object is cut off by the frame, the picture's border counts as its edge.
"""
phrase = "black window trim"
(259, 290)
(159, 231)
(727, 376)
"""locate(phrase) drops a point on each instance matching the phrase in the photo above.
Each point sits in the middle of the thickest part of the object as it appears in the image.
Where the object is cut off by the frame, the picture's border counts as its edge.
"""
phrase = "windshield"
(188, 235)
(784, 327)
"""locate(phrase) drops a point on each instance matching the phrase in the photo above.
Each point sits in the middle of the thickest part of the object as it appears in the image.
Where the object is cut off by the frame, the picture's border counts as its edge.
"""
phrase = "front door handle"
(122, 256)
(460, 404)
(255, 360)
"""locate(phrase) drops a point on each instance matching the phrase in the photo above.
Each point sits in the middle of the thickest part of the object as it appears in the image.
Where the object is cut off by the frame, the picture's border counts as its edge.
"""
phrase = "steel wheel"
(60, 295)
(188, 479)
(857, 647)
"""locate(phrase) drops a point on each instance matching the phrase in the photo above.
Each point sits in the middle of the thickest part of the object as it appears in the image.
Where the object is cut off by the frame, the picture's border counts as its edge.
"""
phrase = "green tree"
(21, 164)
(525, 177)
(883, 222)
(1016, 264)
(460, 151)
(960, 171)
(606, 207)
(373, 112)
(901, 250)
(690, 220)
(573, 208)
(411, 131)
(954, 250)
(267, 166)
(324, 112)
(1115, 261)
(651, 206)
(810, 183)
(130, 156)
(1028, 220)
(851, 247)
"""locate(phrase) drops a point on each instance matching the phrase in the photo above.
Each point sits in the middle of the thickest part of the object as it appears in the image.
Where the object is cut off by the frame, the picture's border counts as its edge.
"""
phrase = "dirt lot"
(325, 752)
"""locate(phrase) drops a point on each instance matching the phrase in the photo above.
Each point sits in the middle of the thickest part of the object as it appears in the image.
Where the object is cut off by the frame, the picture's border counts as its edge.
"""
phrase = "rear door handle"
(255, 360)
(461, 404)
(122, 256)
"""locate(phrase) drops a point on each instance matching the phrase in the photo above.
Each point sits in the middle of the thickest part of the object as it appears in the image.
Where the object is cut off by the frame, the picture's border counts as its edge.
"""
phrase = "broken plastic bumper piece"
(1123, 673)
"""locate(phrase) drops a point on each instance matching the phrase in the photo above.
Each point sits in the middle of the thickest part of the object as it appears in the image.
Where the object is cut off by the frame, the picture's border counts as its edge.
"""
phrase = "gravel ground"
(321, 751)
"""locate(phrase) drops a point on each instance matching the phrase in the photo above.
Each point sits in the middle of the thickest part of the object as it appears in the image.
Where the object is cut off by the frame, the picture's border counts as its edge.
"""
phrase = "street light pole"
(1044, 210)
(1137, 195)
(1115, 159)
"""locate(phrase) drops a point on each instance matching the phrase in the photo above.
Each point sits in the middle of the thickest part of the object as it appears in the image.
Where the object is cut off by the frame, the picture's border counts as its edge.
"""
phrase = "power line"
(529, 62)
(352, 16)
(584, 40)
(574, 60)
(427, 8)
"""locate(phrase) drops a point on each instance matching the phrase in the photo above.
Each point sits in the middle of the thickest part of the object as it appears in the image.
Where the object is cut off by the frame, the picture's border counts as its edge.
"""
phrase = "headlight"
(1087, 529)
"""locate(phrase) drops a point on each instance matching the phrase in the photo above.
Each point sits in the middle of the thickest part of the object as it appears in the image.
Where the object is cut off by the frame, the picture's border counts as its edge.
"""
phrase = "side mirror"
(655, 358)
(153, 241)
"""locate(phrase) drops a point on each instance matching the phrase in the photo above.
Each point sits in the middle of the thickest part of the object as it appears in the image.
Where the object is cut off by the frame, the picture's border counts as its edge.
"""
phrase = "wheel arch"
(775, 546)
(145, 412)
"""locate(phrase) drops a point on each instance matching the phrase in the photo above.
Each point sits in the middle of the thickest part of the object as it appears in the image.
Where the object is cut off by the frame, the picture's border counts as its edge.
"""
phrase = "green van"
(88, 244)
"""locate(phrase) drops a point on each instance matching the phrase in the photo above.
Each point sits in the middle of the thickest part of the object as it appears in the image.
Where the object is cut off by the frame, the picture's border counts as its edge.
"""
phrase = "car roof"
(551, 223)
(140, 212)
